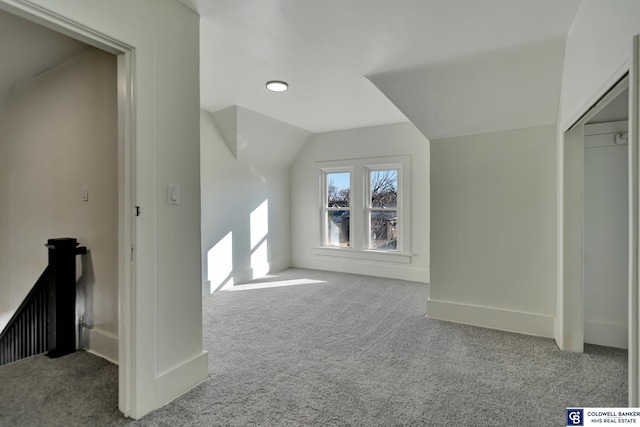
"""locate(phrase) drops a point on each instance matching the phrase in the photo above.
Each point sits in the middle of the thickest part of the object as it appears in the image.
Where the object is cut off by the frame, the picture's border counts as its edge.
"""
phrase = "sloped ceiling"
(29, 49)
(503, 90)
(325, 48)
(258, 139)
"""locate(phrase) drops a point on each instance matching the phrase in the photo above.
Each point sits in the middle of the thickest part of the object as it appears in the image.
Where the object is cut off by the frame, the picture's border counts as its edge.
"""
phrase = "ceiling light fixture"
(277, 86)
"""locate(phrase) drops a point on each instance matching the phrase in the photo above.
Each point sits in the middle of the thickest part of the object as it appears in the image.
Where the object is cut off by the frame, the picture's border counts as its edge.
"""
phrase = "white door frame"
(569, 331)
(126, 181)
(634, 228)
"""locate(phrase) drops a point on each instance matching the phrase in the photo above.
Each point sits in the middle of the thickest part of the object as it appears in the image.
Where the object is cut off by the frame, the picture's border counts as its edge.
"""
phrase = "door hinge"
(137, 210)
(132, 251)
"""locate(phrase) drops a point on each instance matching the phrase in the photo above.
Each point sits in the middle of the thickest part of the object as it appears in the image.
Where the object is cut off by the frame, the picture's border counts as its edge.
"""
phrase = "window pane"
(338, 189)
(384, 230)
(338, 224)
(384, 188)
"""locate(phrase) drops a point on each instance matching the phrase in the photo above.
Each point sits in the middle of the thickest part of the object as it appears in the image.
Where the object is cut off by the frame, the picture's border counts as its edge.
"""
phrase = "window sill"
(389, 256)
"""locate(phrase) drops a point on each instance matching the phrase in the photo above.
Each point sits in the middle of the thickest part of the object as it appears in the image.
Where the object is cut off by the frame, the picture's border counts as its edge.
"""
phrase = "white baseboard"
(607, 334)
(367, 268)
(180, 379)
(557, 333)
(247, 275)
(494, 318)
(279, 265)
(101, 343)
(242, 276)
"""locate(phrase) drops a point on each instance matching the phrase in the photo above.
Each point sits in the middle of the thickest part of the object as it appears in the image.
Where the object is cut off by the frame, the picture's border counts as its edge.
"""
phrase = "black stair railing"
(46, 319)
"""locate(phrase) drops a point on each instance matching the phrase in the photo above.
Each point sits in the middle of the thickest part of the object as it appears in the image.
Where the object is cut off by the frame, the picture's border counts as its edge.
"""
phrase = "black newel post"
(62, 295)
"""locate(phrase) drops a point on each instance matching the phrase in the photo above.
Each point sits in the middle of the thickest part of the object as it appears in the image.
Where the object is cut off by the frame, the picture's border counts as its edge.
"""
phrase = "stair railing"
(46, 319)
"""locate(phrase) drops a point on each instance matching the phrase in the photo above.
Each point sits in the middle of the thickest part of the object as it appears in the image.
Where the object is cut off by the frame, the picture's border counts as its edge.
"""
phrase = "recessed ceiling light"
(277, 86)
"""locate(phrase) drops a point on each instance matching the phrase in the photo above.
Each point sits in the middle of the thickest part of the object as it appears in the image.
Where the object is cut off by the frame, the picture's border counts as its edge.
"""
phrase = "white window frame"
(325, 209)
(359, 201)
(369, 209)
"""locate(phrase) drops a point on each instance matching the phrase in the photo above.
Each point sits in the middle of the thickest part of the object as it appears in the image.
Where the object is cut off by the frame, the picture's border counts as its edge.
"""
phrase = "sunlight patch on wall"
(220, 264)
(259, 222)
(260, 260)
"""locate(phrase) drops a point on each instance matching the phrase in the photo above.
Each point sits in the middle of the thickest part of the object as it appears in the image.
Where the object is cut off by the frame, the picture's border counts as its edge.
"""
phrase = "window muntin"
(337, 209)
(382, 210)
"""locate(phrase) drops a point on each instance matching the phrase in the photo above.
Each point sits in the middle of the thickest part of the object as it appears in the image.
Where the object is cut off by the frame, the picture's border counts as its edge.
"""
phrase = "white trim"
(126, 233)
(239, 277)
(323, 200)
(612, 93)
(101, 343)
(368, 209)
(581, 113)
(559, 319)
(493, 318)
(634, 229)
(180, 379)
(374, 255)
(359, 239)
(279, 264)
(367, 267)
(573, 230)
(606, 334)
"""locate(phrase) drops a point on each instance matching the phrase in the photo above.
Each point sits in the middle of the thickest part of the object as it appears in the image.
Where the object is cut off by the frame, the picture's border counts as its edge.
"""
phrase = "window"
(382, 209)
(364, 208)
(337, 214)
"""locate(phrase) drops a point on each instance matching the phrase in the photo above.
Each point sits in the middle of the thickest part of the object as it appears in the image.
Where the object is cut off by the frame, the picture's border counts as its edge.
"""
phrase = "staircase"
(46, 319)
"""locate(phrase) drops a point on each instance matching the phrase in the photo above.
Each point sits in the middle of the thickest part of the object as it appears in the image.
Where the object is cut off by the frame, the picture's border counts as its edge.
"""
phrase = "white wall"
(379, 141)
(235, 218)
(257, 139)
(606, 231)
(493, 230)
(59, 133)
(164, 341)
(598, 47)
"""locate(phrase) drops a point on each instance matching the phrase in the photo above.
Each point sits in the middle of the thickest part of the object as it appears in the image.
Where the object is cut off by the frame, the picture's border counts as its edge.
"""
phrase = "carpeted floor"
(76, 390)
(335, 349)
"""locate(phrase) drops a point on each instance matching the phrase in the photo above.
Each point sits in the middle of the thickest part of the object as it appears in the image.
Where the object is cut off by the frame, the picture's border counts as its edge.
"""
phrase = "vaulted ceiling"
(452, 67)
(420, 53)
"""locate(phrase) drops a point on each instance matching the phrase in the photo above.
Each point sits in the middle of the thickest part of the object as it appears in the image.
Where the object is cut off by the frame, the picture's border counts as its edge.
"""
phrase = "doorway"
(570, 325)
(59, 137)
(123, 193)
(606, 225)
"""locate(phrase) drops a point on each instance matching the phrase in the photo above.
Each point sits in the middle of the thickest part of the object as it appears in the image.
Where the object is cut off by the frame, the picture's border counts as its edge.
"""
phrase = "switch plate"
(85, 193)
(173, 194)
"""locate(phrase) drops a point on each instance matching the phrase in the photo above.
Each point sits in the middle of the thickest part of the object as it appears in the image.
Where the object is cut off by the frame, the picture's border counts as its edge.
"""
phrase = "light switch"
(85, 193)
(173, 194)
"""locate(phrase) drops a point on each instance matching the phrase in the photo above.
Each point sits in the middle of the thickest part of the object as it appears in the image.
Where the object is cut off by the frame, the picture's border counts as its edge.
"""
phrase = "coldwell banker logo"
(575, 417)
